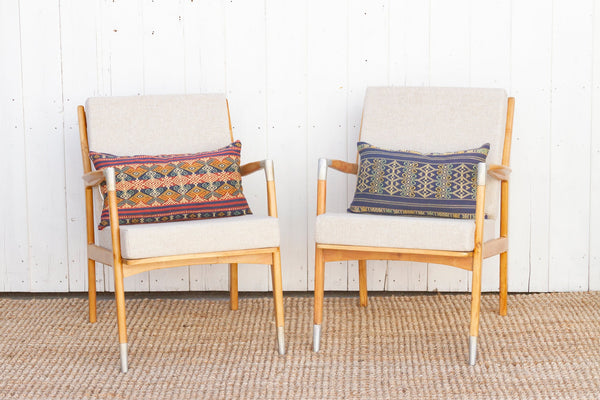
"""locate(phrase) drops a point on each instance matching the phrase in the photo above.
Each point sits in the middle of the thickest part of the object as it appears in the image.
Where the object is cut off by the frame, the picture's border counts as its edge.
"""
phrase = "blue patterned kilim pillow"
(175, 187)
(412, 183)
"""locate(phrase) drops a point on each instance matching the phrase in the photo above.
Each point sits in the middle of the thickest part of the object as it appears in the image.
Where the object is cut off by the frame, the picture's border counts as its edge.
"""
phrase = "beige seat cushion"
(399, 231)
(201, 236)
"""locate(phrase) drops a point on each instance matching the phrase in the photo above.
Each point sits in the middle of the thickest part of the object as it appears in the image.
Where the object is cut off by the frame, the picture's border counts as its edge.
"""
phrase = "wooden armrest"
(267, 165)
(93, 178)
(343, 166)
(499, 172)
(252, 167)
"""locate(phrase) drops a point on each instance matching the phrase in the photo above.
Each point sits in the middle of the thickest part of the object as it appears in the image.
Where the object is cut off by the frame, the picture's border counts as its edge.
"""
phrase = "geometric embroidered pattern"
(413, 183)
(175, 187)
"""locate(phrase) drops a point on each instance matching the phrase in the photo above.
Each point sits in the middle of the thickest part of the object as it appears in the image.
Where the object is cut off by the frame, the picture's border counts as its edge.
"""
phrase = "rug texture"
(399, 347)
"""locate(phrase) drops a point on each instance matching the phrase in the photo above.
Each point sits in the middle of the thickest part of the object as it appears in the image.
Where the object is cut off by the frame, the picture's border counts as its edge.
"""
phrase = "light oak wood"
(321, 196)
(477, 261)
(89, 212)
(271, 199)
(343, 166)
(83, 140)
(362, 282)
(93, 178)
(229, 120)
(254, 256)
(233, 286)
(277, 288)
(249, 168)
(100, 254)
(499, 172)
(376, 250)
(319, 285)
(503, 308)
(494, 247)
(463, 260)
(117, 265)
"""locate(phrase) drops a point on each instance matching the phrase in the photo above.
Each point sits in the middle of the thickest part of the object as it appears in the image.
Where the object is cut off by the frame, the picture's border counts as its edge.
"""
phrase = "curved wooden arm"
(93, 178)
(500, 172)
(267, 165)
(250, 168)
(324, 163)
(343, 166)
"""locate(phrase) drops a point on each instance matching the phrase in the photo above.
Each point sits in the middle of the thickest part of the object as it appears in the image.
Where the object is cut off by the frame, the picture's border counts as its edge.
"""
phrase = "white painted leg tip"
(123, 351)
(472, 350)
(281, 340)
(316, 338)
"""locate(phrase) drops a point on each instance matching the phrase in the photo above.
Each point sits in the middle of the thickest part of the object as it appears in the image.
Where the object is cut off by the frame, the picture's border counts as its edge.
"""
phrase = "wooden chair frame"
(468, 260)
(126, 267)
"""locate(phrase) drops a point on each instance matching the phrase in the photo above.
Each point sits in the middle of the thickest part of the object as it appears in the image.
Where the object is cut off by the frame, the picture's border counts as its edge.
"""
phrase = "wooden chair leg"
(233, 286)
(362, 282)
(121, 322)
(92, 289)
(278, 299)
(503, 282)
(319, 291)
(475, 308)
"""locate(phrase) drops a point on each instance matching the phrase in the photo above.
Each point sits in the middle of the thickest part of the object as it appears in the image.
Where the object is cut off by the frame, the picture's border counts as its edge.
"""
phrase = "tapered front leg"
(319, 291)
(278, 299)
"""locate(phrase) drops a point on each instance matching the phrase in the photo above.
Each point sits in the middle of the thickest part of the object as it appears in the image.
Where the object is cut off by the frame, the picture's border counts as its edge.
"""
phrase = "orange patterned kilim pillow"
(175, 187)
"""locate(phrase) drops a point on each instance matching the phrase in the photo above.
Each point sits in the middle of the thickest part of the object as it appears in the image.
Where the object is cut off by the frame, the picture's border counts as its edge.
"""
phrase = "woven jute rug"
(400, 346)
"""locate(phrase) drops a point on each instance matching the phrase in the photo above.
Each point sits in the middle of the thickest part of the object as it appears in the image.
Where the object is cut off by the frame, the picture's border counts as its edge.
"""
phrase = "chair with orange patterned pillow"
(171, 194)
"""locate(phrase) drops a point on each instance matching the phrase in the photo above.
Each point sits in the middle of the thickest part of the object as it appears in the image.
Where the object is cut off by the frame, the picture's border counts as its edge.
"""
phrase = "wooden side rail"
(500, 172)
(93, 178)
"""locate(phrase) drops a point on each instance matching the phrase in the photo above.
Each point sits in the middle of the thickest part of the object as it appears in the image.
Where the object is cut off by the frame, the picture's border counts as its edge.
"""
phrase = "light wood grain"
(362, 282)
(233, 286)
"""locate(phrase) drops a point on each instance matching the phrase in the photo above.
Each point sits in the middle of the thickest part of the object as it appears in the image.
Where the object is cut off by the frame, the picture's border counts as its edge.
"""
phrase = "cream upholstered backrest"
(428, 119)
(168, 124)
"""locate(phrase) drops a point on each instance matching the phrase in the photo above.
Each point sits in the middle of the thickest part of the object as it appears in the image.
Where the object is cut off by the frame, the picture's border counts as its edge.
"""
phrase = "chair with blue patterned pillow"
(421, 193)
(171, 194)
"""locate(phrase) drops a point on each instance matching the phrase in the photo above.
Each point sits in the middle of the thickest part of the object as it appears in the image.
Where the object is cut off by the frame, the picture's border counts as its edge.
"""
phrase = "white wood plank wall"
(295, 74)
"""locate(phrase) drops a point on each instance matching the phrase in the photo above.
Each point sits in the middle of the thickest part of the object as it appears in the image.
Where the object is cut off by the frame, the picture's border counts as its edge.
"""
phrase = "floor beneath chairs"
(191, 346)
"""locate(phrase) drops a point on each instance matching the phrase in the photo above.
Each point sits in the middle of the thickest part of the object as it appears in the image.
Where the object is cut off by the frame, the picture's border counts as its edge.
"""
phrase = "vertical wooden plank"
(570, 167)
(204, 45)
(164, 67)
(490, 67)
(286, 131)
(14, 245)
(164, 73)
(327, 119)
(44, 144)
(409, 27)
(121, 41)
(449, 46)
(123, 31)
(79, 66)
(368, 65)
(409, 66)
(594, 283)
(529, 194)
(246, 90)
(449, 66)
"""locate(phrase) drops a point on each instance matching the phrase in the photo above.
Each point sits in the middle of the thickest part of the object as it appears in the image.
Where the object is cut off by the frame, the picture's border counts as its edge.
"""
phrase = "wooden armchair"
(425, 120)
(158, 125)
